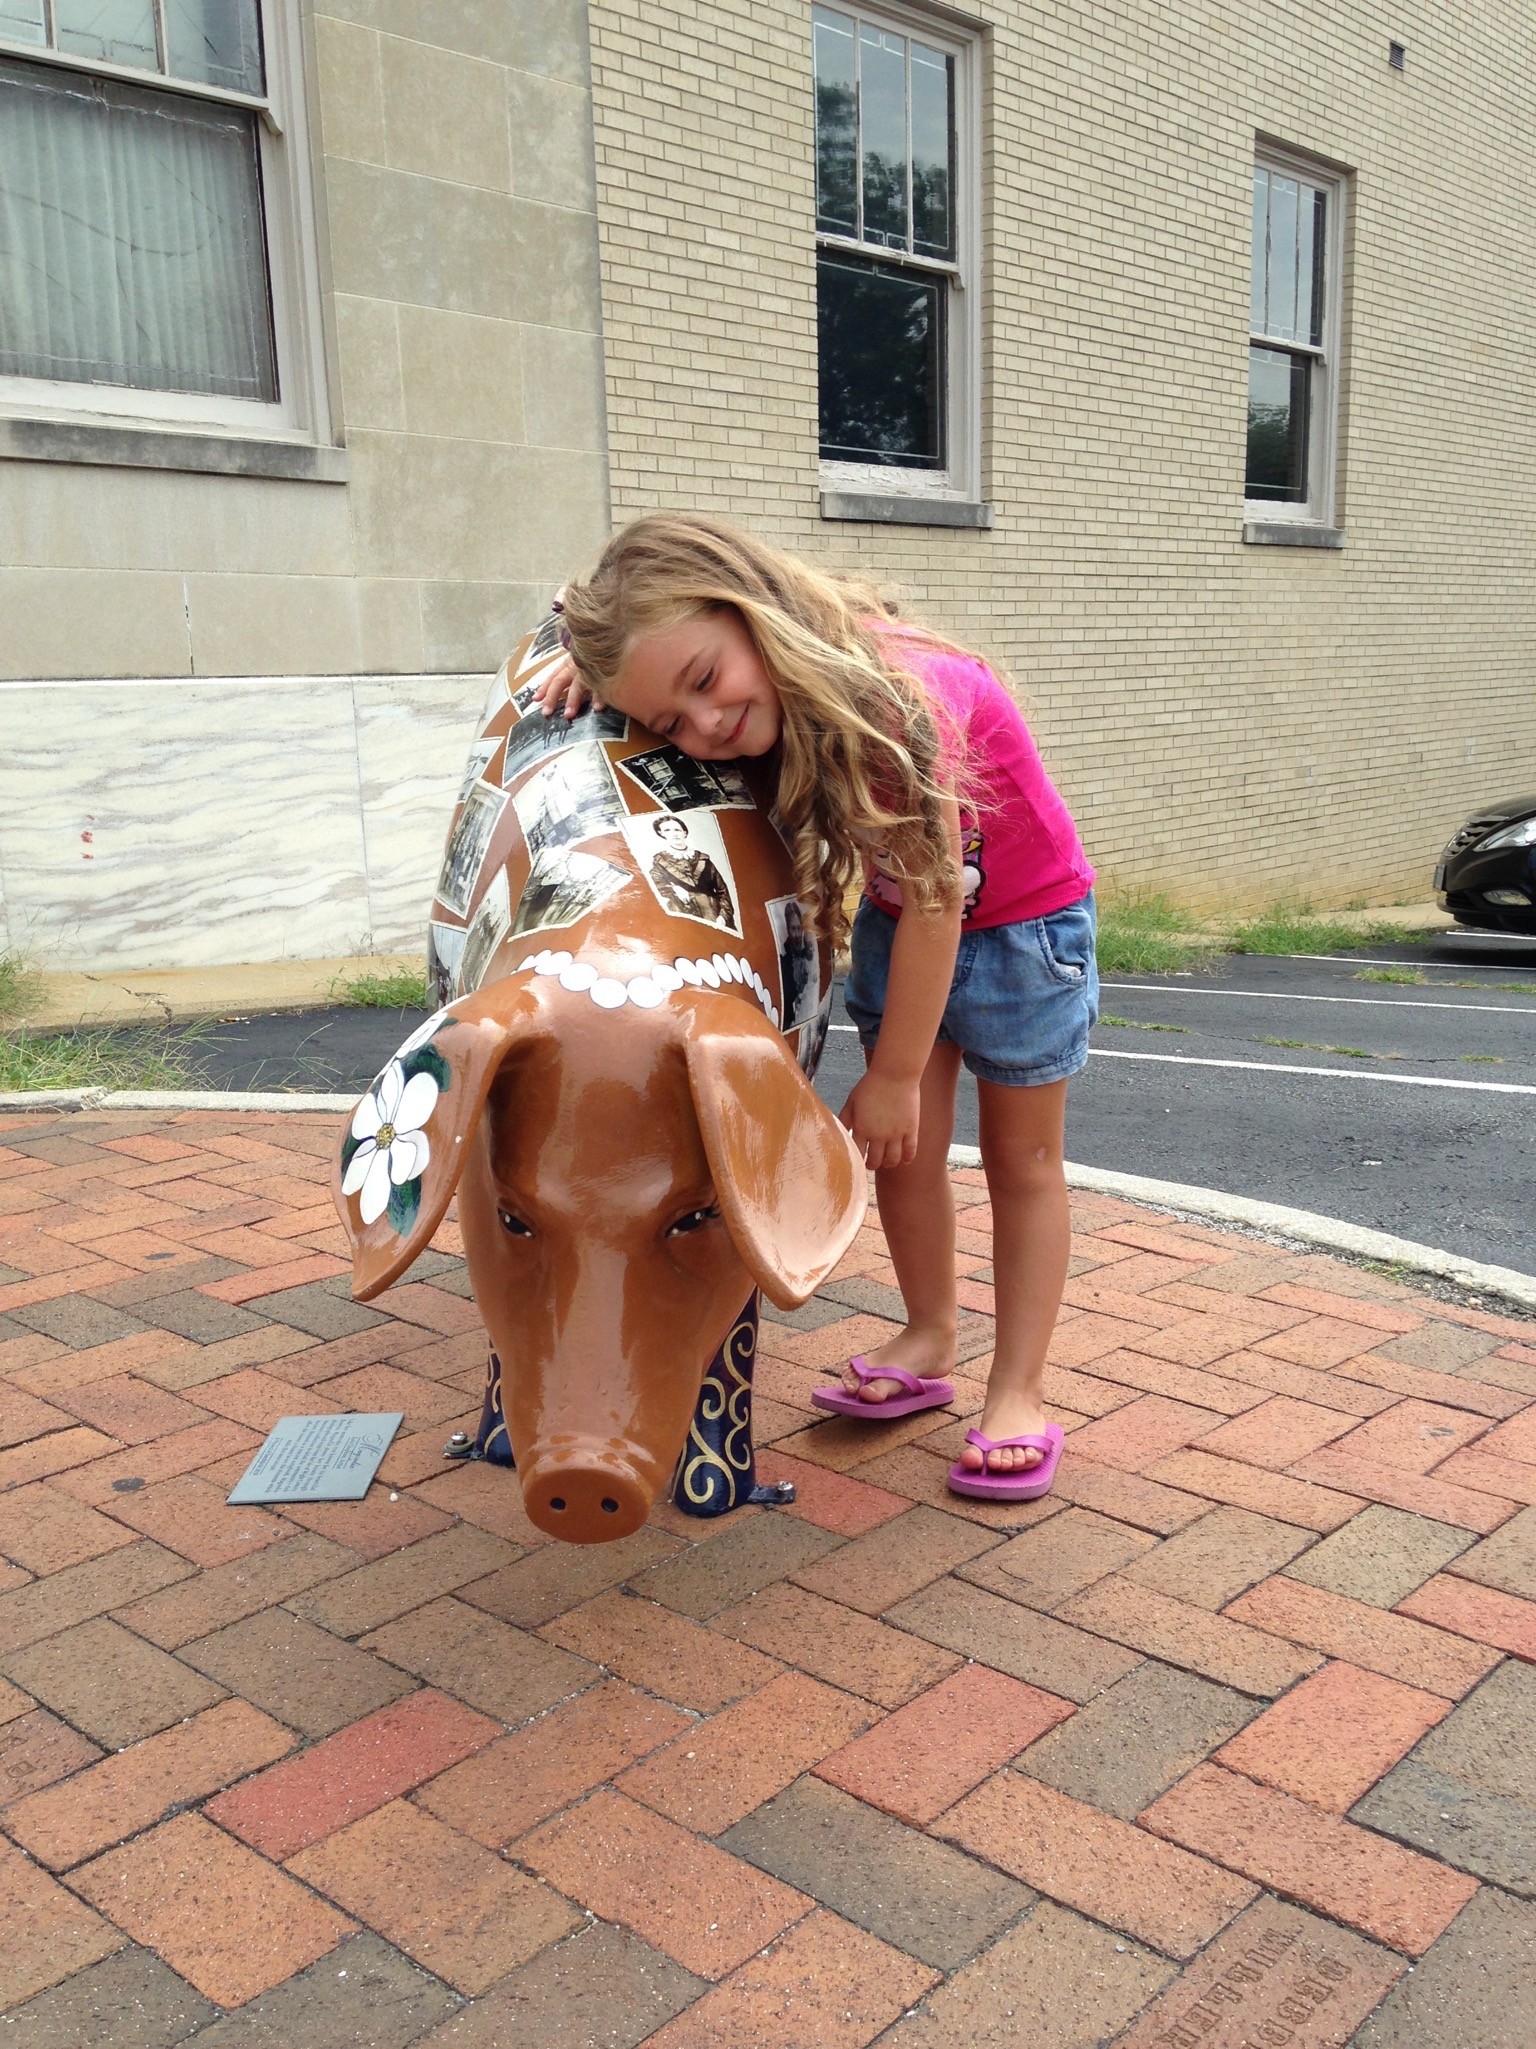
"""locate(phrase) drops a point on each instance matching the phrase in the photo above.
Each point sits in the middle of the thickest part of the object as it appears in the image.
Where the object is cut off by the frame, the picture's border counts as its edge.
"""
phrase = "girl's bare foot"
(928, 1354)
(1006, 1415)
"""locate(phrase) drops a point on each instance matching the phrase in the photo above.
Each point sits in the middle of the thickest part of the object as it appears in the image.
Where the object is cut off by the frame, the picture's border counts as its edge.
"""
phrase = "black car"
(1487, 875)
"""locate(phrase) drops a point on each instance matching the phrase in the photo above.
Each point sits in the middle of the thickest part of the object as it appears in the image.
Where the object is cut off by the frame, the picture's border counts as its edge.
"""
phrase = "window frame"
(200, 430)
(865, 490)
(1318, 510)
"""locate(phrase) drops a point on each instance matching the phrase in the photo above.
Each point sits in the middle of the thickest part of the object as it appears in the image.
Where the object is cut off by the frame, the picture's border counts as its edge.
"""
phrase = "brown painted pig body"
(614, 1083)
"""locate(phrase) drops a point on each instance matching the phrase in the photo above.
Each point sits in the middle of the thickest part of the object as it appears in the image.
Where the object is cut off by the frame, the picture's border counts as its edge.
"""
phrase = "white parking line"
(1290, 996)
(1450, 967)
(1409, 1081)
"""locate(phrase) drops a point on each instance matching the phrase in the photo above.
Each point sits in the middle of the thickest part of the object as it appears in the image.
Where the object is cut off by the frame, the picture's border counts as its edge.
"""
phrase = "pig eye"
(693, 1220)
(513, 1226)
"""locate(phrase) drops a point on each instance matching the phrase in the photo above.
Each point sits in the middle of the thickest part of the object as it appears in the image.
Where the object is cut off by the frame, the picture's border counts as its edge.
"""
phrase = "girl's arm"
(882, 1110)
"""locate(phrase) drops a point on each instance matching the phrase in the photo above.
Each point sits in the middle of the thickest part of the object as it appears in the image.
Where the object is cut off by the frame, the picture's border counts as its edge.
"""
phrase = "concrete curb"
(1329, 1234)
(168, 1099)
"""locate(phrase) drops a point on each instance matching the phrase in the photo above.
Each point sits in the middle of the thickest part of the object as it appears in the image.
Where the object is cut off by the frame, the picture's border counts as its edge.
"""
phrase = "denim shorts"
(1022, 1002)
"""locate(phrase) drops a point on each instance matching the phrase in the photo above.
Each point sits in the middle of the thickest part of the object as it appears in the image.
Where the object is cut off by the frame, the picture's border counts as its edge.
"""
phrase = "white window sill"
(133, 446)
(1291, 533)
(903, 508)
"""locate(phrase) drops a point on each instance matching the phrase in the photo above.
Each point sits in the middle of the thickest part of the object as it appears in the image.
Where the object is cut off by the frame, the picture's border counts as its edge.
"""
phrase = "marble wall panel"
(181, 824)
(413, 736)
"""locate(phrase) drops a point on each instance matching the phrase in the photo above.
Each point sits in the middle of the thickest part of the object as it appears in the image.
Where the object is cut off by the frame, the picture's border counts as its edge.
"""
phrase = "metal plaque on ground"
(317, 1458)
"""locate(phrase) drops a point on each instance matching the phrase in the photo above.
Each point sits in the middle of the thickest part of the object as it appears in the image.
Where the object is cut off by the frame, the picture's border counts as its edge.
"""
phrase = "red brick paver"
(1393, 1894)
(232, 1738)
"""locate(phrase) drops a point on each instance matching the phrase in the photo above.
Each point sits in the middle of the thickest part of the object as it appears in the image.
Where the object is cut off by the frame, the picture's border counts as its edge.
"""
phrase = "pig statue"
(616, 1084)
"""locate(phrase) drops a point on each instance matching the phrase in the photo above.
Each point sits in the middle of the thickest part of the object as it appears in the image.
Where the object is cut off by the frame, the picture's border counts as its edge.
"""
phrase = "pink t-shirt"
(1022, 856)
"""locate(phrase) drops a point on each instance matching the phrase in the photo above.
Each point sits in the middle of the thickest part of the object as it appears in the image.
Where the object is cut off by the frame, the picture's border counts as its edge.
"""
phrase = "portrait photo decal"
(682, 856)
(799, 965)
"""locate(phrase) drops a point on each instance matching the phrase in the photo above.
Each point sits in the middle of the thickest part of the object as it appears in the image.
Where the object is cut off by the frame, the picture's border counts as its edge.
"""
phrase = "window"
(895, 269)
(155, 242)
(1293, 342)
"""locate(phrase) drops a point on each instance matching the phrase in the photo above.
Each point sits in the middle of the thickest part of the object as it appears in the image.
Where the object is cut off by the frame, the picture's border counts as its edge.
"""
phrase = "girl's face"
(701, 685)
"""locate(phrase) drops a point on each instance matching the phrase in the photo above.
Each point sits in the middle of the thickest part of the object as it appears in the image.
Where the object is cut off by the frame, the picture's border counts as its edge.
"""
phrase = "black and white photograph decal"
(682, 784)
(534, 738)
(798, 977)
(572, 798)
(522, 696)
(479, 761)
(682, 856)
(467, 846)
(563, 885)
(445, 950)
(545, 643)
(487, 929)
(814, 1036)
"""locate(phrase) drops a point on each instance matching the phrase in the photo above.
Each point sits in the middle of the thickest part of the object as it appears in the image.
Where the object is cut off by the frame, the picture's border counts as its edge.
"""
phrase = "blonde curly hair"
(864, 760)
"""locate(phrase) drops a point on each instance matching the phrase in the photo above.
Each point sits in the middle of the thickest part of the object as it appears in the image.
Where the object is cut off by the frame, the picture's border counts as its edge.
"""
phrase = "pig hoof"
(772, 1493)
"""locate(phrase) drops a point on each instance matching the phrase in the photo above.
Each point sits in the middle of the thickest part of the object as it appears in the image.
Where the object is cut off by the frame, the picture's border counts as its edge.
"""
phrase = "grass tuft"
(1395, 975)
(18, 985)
(1148, 934)
(1136, 1024)
(406, 990)
(1289, 928)
(1347, 1052)
(100, 1060)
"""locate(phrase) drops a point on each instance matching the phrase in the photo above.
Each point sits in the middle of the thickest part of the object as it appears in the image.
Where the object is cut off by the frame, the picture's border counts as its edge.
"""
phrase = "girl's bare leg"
(917, 1212)
(1022, 1136)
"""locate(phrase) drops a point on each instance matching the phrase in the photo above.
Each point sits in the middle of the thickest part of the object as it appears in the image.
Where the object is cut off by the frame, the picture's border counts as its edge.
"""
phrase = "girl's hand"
(562, 691)
(883, 1116)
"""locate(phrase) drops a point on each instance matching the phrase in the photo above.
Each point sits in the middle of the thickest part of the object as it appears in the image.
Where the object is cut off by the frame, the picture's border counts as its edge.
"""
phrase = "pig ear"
(405, 1146)
(788, 1180)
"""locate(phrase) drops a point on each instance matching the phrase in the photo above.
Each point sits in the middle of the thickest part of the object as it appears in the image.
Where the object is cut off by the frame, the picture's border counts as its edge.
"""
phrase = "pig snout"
(585, 1493)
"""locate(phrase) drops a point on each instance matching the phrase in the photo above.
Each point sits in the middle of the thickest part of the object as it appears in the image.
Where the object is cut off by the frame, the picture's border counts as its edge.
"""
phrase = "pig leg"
(716, 1471)
(490, 1440)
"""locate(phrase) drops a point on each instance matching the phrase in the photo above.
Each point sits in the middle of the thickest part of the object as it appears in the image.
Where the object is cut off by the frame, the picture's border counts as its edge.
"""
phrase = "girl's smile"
(701, 685)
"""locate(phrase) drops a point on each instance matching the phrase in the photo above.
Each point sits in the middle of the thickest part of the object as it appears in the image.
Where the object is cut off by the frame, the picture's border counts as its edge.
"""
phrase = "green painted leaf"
(404, 1202)
(427, 1060)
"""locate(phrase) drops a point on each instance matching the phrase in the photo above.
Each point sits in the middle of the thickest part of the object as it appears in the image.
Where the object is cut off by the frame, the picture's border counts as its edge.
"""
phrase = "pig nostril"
(610, 1507)
(556, 1501)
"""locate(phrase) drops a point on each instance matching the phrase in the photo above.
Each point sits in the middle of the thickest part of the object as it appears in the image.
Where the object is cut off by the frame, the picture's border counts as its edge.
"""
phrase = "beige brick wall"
(454, 190)
(1232, 721)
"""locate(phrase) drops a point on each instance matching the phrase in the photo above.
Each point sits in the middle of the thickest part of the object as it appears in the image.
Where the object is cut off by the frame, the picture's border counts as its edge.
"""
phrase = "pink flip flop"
(1025, 1486)
(921, 1394)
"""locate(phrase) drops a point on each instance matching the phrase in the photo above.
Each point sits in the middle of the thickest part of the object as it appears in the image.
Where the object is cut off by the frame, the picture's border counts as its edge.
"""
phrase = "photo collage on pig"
(565, 791)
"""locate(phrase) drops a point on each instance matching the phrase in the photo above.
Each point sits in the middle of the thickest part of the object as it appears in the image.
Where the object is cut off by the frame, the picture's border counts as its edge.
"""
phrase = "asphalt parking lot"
(1405, 1105)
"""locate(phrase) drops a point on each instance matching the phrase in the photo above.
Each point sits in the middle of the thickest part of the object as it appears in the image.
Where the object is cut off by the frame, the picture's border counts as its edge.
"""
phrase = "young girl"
(902, 757)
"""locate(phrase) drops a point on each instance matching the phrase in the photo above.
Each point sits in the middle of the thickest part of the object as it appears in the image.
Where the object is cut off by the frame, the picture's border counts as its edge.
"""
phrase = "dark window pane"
(216, 42)
(131, 246)
(1319, 230)
(837, 124)
(881, 337)
(1279, 389)
(883, 113)
(933, 146)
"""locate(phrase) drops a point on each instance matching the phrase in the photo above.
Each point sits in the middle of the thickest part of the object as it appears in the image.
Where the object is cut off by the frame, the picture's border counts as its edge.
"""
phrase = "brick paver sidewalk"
(1207, 1748)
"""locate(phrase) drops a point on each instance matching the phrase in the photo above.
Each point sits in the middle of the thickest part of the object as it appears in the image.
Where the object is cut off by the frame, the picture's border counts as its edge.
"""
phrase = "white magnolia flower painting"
(393, 1149)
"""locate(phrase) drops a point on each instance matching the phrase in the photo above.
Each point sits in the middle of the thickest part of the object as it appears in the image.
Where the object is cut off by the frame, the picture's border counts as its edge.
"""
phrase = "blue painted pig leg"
(716, 1471)
(490, 1441)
